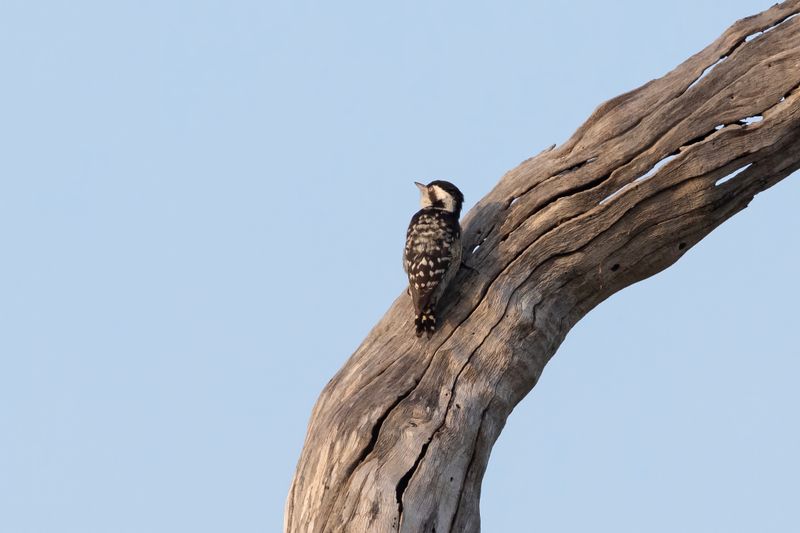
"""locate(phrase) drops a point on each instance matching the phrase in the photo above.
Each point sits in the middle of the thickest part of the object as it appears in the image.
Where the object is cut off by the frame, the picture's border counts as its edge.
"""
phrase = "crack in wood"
(405, 480)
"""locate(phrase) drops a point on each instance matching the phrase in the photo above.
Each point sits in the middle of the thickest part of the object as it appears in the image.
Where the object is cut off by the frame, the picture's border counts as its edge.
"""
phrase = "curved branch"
(400, 437)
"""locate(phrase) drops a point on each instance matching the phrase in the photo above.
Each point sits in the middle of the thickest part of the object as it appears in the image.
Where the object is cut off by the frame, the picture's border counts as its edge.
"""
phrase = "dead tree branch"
(400, 437)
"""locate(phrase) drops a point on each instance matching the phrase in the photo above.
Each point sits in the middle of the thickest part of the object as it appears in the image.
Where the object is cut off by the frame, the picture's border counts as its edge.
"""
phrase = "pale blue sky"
(202, 210)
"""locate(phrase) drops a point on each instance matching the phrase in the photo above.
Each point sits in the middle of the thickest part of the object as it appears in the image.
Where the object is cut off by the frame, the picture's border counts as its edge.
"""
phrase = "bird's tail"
(426, 322)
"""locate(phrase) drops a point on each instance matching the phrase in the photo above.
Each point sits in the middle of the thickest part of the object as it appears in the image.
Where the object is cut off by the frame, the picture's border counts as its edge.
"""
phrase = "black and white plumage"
(432, 253)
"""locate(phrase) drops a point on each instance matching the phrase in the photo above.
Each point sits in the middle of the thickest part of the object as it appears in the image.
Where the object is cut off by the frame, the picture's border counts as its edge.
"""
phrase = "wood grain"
(400, 437)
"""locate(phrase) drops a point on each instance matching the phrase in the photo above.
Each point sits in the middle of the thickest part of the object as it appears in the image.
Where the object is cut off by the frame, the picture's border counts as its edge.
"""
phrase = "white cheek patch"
(445, 197)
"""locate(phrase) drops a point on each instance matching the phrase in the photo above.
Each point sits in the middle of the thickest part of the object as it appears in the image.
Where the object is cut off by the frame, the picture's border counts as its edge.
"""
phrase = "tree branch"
(400, 437)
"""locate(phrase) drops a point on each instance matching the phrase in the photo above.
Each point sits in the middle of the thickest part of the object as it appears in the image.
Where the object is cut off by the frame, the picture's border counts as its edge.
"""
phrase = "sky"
(202, 211)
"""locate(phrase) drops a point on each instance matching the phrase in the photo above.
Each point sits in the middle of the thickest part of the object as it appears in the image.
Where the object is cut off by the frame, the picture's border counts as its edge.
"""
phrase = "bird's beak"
(421, 186)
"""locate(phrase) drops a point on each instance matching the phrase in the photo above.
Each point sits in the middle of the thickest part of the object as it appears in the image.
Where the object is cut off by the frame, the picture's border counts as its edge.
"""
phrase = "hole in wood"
(732, 175)
(758, 34)
(615, 267)
(655, 168)
(751, 120)
(706, 71)
(649, 174)
(681, 246)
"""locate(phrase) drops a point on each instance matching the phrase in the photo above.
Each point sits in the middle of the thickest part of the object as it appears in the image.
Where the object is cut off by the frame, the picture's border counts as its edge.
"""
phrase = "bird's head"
(441, 194)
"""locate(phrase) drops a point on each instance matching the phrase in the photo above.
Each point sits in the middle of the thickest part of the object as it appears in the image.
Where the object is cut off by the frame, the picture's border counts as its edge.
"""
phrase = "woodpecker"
(432, 253)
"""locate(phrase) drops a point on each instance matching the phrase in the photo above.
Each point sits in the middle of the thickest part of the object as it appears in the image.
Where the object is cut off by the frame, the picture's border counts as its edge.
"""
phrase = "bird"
(432, 253)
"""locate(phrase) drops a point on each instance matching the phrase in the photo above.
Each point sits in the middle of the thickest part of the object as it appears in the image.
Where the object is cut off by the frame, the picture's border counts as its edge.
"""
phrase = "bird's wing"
(427, 260)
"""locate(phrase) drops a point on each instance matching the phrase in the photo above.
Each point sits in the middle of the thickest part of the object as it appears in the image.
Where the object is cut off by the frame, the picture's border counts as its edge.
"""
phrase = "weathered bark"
(400, 437)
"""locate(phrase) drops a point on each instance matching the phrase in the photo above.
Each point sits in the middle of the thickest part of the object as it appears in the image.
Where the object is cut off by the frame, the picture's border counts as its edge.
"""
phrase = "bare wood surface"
(400, 437)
